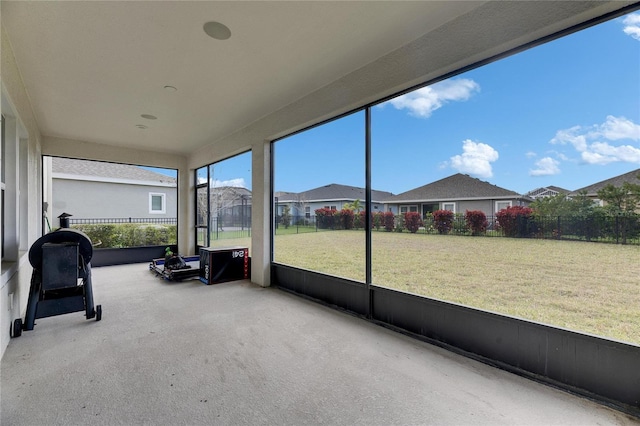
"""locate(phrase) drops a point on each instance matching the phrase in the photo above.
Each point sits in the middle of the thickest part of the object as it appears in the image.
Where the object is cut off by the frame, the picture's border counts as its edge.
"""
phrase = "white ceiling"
(91, 68)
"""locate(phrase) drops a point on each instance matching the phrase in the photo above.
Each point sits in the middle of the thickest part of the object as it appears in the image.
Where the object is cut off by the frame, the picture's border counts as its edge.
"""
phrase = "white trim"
(496, 209)
(69, 176)
(164, 203)
(440, 200)
(444, 206)
(408, 207)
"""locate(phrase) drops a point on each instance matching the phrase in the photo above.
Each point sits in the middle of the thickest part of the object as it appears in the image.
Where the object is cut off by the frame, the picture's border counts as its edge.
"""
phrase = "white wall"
(22, 191)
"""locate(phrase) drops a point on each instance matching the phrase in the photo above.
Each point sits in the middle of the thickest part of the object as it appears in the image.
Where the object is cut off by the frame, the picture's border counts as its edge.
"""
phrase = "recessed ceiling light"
(149, 116)
(141, 126)
(170, 88)
(217, 30)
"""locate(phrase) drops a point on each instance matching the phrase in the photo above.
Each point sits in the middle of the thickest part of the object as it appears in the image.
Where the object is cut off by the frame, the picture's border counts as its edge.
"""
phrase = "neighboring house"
(546, 191)
(231, 205)
(332, 196)
(97, 190)
(591, 191)
(457, 193)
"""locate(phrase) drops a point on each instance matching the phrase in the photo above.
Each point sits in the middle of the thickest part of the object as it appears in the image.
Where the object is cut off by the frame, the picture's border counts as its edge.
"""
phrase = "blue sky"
(566, 113)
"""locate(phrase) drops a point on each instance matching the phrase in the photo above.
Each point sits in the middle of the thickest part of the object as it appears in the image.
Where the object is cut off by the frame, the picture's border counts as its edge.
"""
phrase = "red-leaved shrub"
(346, 218)
(324, 218)
(389, 221)
(443, 221)
(516, 221)
(476, 221)
(412, 221)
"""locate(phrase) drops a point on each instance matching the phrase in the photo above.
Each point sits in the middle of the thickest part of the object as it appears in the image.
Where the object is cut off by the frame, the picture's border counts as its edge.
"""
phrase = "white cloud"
(546, 166)
(616, 128)
(531, 154)
(422, 102)
(632, 25)
(571, 136)
(237, 183)
(603, 153)
(476, 159)
(593, 142)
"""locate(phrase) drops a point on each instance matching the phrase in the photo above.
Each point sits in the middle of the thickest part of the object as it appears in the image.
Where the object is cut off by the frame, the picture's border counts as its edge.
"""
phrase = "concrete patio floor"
(234, 354)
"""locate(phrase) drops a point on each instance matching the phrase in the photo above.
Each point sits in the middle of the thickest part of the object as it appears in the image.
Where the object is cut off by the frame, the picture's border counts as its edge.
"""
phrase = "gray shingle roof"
(334, 191)
(455, 187)
(617, 181)
(106, 170)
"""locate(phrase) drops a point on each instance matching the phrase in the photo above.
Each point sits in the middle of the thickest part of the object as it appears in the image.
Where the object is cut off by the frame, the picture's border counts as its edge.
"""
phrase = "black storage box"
(218, 265)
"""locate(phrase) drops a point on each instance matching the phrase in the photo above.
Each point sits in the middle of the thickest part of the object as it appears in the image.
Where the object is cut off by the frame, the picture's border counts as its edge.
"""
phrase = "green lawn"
(587, 287)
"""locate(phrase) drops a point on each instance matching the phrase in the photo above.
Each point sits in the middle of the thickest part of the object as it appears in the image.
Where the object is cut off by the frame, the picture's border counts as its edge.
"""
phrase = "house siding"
(298, 210)
(486, 206)
(92, 200)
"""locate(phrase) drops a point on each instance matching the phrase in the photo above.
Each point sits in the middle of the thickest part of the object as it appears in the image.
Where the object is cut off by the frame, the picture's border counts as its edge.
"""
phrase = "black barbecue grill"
(61, 278)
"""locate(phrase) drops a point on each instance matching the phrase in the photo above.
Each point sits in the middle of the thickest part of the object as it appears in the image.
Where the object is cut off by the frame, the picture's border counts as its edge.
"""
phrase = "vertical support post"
(367, 219)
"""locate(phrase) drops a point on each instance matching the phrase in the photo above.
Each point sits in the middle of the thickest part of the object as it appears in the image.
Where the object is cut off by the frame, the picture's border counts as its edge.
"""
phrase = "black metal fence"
(623, 229)
(119, 220)
(225, 227)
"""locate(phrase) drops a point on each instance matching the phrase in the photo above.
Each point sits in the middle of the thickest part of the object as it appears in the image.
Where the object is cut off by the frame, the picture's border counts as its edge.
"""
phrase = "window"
(449, 206)
(459, 151)
(322, 163)
(223, 203)
(307, 212)
(510, 125)
(157, 203)
(113, 200)
(500, 205)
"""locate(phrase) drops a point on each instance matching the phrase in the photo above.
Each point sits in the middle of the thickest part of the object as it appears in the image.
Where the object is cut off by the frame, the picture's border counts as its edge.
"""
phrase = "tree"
(581, 205)
(355, 206)
(286, 216)
(621, 199)
(556, 205)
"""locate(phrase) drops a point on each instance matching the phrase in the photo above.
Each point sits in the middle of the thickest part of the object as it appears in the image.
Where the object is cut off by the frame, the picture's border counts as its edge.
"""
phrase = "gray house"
(333, 196)
(230, 206)
(591, 191)
(457, 193)
(96, 190)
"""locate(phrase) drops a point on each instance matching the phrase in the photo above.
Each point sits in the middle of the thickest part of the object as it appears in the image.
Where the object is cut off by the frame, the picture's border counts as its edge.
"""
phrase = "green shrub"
(399, 222)
(129, 234)
(459, 224)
